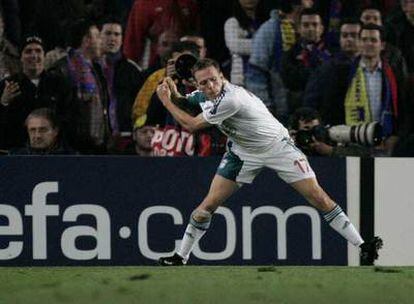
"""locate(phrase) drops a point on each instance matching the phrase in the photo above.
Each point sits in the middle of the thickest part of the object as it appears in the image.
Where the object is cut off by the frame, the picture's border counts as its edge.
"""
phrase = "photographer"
(170, 139)
(314, 140)
(145, 96)
(146, 99)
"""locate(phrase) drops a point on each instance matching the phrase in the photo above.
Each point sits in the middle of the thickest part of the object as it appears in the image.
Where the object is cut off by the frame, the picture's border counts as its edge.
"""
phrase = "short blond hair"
(205, 63)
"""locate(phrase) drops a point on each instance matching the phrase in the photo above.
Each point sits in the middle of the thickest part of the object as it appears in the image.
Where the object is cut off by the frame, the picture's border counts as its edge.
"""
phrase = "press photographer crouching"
(315, 139)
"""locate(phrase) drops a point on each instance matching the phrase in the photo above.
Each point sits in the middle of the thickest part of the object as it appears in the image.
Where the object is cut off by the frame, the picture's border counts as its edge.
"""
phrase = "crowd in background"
(79, 77)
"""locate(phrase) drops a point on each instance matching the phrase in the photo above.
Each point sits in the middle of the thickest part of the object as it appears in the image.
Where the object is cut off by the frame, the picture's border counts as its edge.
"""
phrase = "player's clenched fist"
(164, 92)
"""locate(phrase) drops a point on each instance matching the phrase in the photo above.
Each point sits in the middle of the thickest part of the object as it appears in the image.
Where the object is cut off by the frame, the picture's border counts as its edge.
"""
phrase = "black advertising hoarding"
(131, 210)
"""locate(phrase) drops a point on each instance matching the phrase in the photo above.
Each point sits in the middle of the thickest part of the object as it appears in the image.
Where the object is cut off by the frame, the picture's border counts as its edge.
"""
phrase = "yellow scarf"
(143, 98)
(288, 34)
(357, 107)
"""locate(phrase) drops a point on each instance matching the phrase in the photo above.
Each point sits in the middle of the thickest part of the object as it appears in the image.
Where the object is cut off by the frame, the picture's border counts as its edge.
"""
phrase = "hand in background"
(321, 148)
(11, 90)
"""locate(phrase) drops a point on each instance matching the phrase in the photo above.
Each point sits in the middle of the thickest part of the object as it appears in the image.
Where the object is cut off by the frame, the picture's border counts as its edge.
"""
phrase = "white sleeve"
(223, 108)
(234, 40)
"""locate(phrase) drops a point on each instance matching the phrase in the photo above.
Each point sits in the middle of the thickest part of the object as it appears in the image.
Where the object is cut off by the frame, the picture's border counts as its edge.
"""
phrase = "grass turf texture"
(208, 284)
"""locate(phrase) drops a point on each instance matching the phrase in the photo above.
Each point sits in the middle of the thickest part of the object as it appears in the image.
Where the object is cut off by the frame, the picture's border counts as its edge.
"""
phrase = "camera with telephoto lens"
(367, 134)
(183, 65)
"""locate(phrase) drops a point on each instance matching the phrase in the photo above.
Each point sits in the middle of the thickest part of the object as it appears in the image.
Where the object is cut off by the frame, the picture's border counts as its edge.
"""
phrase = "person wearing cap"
(30, 89)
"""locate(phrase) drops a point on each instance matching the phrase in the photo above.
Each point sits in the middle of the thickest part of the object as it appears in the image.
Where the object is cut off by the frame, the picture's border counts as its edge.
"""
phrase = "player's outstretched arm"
(187, 121)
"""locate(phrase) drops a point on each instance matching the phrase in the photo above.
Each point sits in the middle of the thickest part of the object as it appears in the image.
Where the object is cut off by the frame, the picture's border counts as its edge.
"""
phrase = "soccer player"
(256, 140)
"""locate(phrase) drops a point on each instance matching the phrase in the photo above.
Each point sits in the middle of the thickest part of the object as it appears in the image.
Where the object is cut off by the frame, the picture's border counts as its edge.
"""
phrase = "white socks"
(339, 221)
(336, 218)
(191, 236)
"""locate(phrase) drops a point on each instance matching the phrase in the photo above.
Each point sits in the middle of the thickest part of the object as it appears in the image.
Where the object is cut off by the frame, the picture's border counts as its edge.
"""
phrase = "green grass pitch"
(207, 284)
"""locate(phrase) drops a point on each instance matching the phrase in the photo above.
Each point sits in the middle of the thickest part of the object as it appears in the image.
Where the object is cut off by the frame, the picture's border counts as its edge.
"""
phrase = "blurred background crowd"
(79, 76)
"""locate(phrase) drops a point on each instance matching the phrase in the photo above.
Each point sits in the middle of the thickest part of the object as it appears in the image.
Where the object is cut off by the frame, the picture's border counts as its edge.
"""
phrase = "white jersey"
(242, 117)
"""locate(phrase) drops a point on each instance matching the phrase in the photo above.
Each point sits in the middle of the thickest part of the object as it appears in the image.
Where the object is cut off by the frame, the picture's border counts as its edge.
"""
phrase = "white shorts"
(284, 157)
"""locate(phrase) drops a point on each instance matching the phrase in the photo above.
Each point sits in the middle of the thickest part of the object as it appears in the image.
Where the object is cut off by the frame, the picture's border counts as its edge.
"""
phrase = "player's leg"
(233, 171)
(332, 212)
(337, 218)
(293, 167)
(221, 188)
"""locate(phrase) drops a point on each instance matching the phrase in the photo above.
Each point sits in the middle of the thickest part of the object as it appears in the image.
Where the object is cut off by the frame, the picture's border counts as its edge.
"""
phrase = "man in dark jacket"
(333, 74)
(393, 55)
(400, 32)
(368, 89)
(304, 57)
(31, 89)
(91, 127)
(123, 77)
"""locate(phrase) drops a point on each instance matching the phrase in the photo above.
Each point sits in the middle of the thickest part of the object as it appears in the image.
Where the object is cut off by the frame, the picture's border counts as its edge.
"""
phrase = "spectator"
(238, 33)
(9, 55)
(55, 55)
(376, 75)
(374, 91)
(212, 29)
(164, 44)
(304, 57)
(44, 135)
(386, 6)
(143, 135)
(400, 32)
(30, 89)
(91, 129)
(123, 77)
(329, 82)
(149, 18)
(332, 12)
(197, 39)
(275, 36)
(372, 15)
